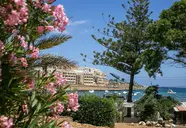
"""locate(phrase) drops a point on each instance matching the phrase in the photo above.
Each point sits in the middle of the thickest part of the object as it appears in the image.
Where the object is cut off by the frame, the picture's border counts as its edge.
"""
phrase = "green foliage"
(126, 42)
(96, 111)
(152, 90)
(147, 107)
(38, 103)
(170, 31)
(165, 106)
(120, 110)
(24, 96)
(50, 40)
(152, 103)
(119, 107)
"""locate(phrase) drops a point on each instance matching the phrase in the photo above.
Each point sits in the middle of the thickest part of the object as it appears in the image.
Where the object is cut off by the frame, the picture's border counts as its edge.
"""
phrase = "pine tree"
(126, 43)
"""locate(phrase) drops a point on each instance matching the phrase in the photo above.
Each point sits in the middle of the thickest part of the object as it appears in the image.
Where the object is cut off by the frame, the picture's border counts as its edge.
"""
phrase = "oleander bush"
(96, 111)
(29, 98)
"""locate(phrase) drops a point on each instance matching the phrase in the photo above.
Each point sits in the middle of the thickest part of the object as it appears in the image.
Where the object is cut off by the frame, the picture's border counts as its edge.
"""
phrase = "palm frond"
(49, 60)
(51, 40)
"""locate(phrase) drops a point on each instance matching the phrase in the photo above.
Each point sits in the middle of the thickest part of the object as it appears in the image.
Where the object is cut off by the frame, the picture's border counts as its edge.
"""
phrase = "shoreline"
(100, 88)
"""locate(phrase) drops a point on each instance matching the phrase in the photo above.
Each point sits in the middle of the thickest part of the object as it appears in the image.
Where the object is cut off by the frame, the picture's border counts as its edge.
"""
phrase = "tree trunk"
(5, 75)
(129, 98)
(5, 78)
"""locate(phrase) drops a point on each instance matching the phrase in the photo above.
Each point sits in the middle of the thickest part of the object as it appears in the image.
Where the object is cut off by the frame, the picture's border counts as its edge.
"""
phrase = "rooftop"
(180, 108)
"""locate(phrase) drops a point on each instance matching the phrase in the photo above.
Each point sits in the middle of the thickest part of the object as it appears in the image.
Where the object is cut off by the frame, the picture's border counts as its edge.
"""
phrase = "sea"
(180, 93)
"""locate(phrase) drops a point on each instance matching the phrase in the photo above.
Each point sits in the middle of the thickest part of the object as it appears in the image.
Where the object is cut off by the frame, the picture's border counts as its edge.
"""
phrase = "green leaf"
(49, 125)
(38, 108)
(34, 102)
(51, 40)
(33, 96)
(10, 82)
(34, 122)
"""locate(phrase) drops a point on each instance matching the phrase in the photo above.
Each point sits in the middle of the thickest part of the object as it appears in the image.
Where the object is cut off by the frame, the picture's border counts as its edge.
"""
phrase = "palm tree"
(50, 40)
(47, 41)
(49, 60)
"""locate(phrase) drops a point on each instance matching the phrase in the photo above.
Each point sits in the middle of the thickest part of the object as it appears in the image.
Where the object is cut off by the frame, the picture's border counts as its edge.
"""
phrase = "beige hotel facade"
(82, 76)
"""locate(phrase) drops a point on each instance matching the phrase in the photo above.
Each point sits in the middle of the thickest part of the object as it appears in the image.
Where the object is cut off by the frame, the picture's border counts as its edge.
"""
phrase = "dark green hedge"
(96, 111)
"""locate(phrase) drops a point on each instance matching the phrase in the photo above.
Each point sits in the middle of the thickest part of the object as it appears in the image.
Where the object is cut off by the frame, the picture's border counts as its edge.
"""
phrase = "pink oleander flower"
(25, 108)
(6, 122)
(25, 79)
(60, 80)
(13, 58)
(50, 88)
(3, 10)
(9, 6)
(24, 44)
(31, 84)
(49, 28)
(23, 15)
(73, 101)
(50, 1)
(61, 19)
(17, 16)
(66, 125)
(31, 47)
(46, 7)
(23, 61)
(1, 45)
(40, 29)
(35, 53)
(37, 4)
(12, 18)
(57, 108)
(19, 2)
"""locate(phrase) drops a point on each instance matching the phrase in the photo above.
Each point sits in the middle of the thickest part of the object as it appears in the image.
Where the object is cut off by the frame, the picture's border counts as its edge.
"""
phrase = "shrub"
(96, 111)
(119, 102)
(119, 110)
(165, 106)
(29, 98)
(152, 103)
(146, 108)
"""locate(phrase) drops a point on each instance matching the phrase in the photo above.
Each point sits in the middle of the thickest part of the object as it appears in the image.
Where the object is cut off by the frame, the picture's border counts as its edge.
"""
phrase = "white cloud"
(78, 22)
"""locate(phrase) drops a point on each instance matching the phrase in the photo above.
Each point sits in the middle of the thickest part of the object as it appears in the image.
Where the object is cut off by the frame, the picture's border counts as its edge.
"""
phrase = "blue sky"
(88, 13)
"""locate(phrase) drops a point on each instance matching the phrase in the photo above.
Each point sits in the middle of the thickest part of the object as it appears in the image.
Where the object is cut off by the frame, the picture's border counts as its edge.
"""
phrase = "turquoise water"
(137, 94)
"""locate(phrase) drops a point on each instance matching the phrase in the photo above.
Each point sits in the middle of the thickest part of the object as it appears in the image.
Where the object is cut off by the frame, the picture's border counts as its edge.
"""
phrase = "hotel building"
(82, 76)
